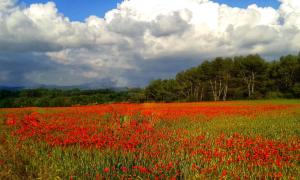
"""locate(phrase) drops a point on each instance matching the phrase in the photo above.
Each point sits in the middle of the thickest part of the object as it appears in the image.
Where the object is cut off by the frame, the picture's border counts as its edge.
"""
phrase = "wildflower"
(143, 169)
(124, 169)
(278, 175)
(106, 170)
(224, 173)
(10, 122)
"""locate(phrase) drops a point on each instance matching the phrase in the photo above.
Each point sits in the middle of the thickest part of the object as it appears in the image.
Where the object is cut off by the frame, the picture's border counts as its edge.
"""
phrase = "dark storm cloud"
(17, 65)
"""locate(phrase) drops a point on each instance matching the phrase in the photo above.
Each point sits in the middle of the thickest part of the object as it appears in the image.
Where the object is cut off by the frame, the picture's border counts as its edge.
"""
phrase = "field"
(223, 140)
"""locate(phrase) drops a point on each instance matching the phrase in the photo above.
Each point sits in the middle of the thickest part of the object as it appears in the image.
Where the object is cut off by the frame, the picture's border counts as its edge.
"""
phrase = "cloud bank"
(138, 41)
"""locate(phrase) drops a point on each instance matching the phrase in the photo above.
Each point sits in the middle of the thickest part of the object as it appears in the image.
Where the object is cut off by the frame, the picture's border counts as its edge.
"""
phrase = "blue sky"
(245, 3)
(79, 10)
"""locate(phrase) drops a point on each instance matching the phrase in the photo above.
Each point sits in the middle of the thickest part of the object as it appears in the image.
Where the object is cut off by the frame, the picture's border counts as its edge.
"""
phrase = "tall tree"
(285, 72)
(218, 74)
(192, 84)
(249, 69)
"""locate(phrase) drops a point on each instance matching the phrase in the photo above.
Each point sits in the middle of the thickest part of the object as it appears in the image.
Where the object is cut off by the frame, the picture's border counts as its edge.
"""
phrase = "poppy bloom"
(106, 170)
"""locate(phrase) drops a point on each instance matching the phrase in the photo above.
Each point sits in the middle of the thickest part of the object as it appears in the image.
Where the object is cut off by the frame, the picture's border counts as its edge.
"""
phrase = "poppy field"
(206, 140)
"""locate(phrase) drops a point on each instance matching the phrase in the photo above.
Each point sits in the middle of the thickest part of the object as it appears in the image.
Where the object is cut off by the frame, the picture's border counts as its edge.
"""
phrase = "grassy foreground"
(233, 140)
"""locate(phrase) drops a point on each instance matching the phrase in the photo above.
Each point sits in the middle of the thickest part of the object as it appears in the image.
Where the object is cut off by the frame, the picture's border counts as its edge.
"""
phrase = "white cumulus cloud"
(138, 41)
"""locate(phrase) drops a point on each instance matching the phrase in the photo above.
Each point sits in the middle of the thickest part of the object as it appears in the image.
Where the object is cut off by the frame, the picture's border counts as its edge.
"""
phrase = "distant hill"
(89, 86)
(11, 88)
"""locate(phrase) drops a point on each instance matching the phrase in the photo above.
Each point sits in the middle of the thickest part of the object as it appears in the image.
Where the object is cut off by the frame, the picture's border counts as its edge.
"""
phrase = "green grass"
(36, 160)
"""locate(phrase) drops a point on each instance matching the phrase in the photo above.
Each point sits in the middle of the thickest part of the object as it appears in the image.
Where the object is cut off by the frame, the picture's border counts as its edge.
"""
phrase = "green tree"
(251, 69)
(191, 84)
(218, 74)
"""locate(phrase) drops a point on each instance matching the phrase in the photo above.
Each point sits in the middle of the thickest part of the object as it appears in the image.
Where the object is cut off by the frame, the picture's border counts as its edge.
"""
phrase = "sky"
(79, 10)
(129, 43)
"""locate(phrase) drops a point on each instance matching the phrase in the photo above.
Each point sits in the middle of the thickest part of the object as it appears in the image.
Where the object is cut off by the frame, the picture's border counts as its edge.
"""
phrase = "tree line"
(231, 78)
(61, 98)
(220, 79)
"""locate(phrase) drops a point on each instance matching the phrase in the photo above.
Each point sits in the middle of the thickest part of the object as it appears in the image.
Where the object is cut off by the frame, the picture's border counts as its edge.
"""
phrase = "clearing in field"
(236, 140)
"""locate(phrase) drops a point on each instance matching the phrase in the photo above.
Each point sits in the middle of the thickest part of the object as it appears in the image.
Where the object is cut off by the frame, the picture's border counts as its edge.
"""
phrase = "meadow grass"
(33, 159)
